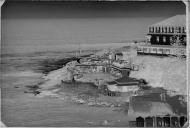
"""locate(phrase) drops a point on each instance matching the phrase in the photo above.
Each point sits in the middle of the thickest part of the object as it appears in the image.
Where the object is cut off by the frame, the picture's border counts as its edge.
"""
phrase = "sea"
(25, 65)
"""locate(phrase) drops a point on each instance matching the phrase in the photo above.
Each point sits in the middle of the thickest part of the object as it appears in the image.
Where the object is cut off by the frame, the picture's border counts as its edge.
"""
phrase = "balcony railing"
(167, 30)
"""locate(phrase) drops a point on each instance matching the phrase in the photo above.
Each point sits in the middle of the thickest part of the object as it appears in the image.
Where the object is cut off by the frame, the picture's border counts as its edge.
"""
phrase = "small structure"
(124, 84)
(111, 56)
(125, 71)
(118, 56)
(159, 121)
(124, 81)
(149, 121)
(115, 55)
(140, 121)
(182, 120)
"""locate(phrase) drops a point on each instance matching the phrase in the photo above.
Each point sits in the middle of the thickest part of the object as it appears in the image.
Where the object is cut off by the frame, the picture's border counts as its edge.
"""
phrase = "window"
(171, 39)
(157, 38)
(183, 30)
(159, 121)
(183, 119)
(175, 122)
(165, 30)
(140, 121)
(166, 121)
(184, 39)
(154, 49)
(164, 39)
(148, 38)
(177, 29)
(162, 30)
(151, 29)
(149, 121)
(157, 29)
(171, 29)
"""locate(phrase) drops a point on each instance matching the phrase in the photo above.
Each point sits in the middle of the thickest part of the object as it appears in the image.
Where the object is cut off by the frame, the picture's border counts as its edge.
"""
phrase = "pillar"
(154, 122)
(1, 3)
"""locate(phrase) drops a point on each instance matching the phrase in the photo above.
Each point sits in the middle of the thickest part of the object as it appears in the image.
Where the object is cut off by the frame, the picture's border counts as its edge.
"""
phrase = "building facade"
(168, 32)
(166, 38)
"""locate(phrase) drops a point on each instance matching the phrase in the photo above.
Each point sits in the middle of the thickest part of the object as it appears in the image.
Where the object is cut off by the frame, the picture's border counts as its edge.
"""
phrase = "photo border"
(186, 2)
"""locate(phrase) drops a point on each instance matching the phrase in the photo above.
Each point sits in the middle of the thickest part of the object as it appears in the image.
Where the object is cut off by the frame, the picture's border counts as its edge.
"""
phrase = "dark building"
(169, 31)
(152, 110)
(167, 37)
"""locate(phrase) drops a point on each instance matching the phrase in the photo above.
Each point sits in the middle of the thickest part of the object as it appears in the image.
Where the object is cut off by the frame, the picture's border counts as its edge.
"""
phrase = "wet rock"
(117, 109)
(118, 105)
(16, 86)
(106, 104)
(36, 92)
(91, 99)
(98, 104)
(46, 93)
(105, 123)
(91, 103)
(80, 101)
(112, 106)
(61, 98)
(33, 87)
(26, 92)
(90, 122)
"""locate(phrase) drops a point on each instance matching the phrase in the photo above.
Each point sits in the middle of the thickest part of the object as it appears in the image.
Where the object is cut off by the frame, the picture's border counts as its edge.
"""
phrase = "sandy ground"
(167, 72)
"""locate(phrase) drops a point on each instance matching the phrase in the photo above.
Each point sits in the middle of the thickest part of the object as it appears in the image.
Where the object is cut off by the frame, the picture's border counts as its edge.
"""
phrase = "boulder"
(91, 103)
(80, 101)
(105, 123)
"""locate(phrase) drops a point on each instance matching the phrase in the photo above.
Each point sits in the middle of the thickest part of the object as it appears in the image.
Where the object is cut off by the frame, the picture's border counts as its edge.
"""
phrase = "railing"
(176, 51)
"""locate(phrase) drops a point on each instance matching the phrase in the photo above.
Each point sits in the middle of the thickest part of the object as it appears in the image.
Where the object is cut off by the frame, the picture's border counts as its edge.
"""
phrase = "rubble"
(106, 123)
(80, 101)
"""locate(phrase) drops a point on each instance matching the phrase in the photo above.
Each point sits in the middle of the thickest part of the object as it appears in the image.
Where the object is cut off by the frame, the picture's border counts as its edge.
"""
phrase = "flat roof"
(121, 68)
(119, 53)
(112, 82)
(148, 108)
(126, 81)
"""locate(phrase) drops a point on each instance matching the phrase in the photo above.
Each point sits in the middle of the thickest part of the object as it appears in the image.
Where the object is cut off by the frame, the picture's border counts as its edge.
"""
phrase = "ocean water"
(33, 56)
(57, 46)
(33, 39)
(24, 66)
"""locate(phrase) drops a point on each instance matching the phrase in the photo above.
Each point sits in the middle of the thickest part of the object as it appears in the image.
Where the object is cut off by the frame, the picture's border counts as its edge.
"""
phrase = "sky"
(62, 23)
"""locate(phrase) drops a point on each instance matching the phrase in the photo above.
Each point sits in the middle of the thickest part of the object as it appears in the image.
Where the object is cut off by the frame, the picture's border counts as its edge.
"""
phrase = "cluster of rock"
(95, 103)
